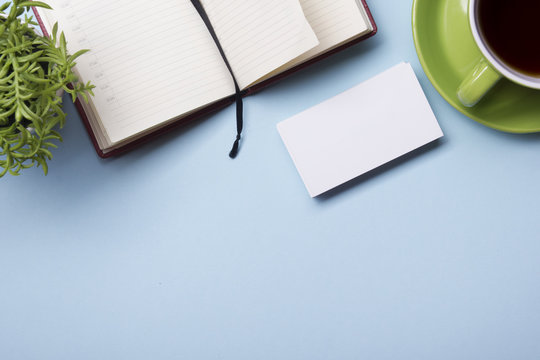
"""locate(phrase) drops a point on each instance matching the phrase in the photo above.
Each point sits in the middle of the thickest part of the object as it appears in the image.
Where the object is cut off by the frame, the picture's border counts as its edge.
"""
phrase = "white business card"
(360, 129)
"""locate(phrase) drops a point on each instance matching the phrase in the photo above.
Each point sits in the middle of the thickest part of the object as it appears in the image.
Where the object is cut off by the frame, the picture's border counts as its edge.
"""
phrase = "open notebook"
(155, 65)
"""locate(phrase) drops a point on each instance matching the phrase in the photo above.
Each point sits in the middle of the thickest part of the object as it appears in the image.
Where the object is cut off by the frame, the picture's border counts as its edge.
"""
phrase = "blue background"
(174, 251)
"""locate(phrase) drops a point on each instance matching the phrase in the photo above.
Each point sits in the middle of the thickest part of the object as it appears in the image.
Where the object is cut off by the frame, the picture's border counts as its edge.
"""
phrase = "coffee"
(511, 29)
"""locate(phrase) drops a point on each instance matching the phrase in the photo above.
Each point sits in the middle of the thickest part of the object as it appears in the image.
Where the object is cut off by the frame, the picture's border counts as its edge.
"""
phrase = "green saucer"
(447, 51)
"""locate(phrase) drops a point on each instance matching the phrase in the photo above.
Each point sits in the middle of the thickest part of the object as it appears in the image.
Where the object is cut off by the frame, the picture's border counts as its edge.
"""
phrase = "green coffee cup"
(491, 67)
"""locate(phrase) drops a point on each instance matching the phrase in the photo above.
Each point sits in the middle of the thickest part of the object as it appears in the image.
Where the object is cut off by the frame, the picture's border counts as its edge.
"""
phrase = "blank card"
(359, 130)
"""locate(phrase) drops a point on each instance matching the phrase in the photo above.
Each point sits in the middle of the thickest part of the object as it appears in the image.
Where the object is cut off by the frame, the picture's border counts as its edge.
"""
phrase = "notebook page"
(259, 36)
(148, 66)
(334, 22)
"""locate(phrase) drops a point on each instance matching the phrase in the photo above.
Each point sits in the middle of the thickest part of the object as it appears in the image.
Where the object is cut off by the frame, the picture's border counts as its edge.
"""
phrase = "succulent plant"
(34, 70)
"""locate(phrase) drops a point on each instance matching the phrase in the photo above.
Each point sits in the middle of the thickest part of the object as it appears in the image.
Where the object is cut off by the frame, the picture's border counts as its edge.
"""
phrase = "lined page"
(148, 66)
(334, 22)
(259, 36)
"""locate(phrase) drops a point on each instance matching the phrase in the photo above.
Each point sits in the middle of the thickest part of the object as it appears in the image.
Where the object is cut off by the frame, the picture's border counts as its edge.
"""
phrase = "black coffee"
(511, 29)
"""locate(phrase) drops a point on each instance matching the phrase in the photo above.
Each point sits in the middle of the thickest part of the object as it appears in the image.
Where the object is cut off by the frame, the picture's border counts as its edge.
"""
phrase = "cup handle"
(477, 83)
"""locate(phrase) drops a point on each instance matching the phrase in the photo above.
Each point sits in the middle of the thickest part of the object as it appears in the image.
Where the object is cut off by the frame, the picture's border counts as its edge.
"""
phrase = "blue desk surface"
(174, 251)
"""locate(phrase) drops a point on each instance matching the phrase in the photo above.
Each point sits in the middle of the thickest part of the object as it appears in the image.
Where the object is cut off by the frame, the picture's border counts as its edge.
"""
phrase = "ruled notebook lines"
(148, 62)
(152, 67)
(258, 37)
(334, 22)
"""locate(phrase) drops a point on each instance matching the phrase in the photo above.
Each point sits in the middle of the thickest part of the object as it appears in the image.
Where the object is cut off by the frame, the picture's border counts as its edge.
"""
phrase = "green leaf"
(32, 69)
(43, 164)
(36, 4)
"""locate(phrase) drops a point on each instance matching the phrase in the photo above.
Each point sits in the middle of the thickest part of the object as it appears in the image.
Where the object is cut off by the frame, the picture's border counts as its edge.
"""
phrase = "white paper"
(148, 66)
(260, 36)
(359, 130)
(334, 22)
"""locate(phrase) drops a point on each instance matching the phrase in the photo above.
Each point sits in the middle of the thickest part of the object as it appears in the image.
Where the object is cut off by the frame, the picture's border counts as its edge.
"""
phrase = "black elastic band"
(238, 96)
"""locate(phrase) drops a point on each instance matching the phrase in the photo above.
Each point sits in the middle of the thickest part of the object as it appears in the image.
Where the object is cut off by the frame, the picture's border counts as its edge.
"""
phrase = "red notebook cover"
(215, 106)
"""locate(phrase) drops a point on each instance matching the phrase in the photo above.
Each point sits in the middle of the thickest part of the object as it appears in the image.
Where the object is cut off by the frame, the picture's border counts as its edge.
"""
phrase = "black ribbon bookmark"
(238, 96)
